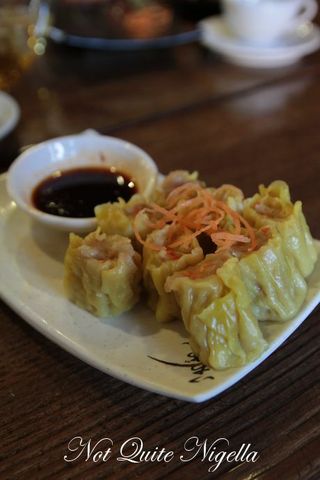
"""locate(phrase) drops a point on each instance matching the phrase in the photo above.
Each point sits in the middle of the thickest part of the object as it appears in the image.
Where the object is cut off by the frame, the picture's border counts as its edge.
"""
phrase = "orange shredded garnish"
(190, 210)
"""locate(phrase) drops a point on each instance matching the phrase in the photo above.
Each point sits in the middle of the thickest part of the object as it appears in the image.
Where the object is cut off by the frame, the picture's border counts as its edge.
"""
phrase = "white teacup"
(264, 21)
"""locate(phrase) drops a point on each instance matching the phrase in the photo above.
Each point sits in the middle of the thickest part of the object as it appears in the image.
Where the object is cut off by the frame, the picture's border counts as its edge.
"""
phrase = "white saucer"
(9, 114)
(288, 50)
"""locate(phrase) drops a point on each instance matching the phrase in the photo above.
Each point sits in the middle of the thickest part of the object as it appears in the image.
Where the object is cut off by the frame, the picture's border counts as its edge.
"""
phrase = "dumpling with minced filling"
(173, 180)
(272, 208)
(158, 265)
(223, 332)
(102, 273)
(117, 218)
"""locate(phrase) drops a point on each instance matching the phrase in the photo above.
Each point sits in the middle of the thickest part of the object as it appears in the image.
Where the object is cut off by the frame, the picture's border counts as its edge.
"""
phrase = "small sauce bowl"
(88, 149)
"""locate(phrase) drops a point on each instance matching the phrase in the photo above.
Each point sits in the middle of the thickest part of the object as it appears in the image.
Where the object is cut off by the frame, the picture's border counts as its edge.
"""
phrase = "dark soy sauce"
(75, 193)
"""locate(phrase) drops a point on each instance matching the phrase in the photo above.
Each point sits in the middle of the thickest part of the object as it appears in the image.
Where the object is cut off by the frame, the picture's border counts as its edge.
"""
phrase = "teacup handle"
(309, 11)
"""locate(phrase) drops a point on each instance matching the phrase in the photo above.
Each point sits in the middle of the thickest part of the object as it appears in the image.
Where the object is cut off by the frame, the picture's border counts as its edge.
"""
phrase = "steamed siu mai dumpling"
(272, 207)
(158, 265)
(102, 273)
(222, 333)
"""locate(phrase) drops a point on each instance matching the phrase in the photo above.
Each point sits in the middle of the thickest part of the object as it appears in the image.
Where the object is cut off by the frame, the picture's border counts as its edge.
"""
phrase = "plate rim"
(58, 35)
(10, 123)
(37, 322)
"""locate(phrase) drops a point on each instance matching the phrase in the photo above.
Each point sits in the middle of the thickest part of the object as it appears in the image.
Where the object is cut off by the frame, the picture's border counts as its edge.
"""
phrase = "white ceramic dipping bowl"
(88, 149)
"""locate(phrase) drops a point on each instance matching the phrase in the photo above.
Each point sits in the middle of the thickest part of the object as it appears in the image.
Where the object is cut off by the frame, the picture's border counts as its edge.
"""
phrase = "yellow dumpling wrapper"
(221, 311)
(230, 195)
(102, 273)
(117, 218)
(157, 266)
(174, 179)
(221, 302)
(221, 334)
(272, 207)
(267, 281)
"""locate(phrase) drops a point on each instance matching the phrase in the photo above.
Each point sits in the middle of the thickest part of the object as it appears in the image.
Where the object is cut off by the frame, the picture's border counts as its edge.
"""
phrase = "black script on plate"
(192, 361)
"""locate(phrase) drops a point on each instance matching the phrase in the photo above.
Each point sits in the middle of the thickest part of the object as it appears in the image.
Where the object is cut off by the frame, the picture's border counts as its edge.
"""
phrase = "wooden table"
(188, 109)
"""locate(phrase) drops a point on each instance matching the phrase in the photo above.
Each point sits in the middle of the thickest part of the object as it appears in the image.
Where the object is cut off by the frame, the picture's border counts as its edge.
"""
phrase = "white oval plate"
(133, 347)
(9, 114)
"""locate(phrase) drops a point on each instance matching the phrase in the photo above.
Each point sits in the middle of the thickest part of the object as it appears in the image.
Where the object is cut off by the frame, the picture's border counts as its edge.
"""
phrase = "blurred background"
(112, 64)
(53, 52)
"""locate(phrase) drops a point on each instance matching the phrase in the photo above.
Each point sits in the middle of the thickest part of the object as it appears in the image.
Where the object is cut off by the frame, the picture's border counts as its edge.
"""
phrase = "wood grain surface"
(191, 110)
